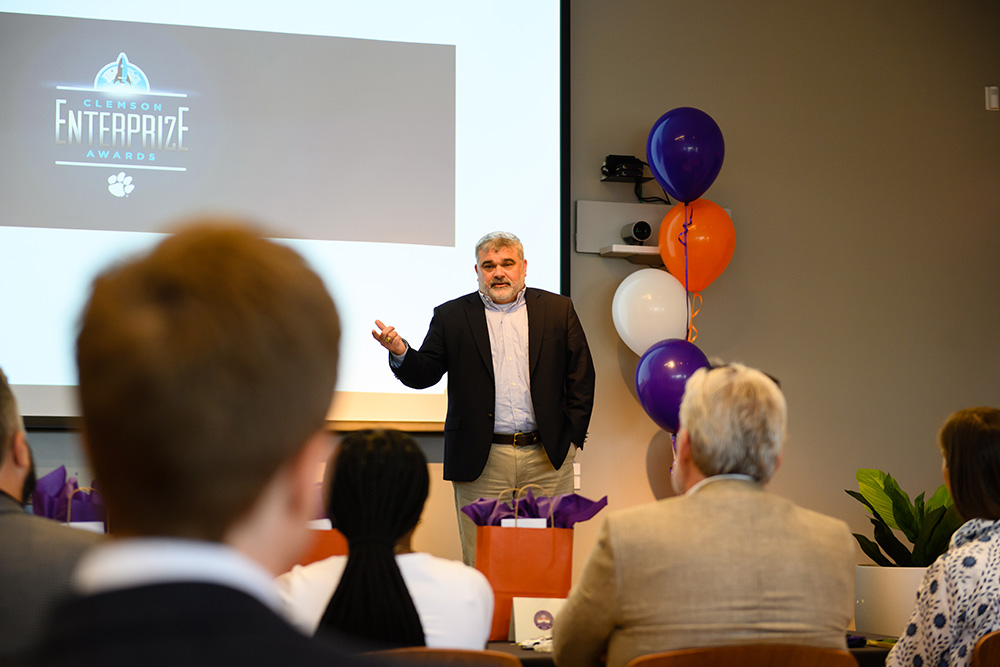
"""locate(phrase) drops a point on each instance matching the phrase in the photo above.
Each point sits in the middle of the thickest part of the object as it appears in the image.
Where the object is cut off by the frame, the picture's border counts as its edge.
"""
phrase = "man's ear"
(683, 446)
(20, 453)
(307, 471)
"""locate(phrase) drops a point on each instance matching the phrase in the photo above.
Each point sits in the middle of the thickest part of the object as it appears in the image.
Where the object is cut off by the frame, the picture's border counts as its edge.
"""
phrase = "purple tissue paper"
(562, 511)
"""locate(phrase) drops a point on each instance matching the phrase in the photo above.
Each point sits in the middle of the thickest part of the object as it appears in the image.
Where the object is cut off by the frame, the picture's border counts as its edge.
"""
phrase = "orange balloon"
(711, 241)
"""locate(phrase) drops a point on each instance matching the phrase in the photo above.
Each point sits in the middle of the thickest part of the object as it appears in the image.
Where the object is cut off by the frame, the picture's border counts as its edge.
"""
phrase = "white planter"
(884, 597)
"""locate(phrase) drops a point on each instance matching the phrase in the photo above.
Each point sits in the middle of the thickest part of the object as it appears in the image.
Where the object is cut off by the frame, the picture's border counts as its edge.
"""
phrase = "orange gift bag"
(523, 562)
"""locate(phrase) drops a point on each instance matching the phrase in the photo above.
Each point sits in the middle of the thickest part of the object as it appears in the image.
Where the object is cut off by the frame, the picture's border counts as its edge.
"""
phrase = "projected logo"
(120, 185)
(121, 122)
(121, 74)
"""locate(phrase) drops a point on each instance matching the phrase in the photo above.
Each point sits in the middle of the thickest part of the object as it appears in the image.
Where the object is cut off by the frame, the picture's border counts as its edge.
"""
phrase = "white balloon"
(650, 305)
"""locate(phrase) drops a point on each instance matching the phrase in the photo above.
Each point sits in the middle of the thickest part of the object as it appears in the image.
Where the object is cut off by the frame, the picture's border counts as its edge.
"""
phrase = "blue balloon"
(663, 371)
(685, 150)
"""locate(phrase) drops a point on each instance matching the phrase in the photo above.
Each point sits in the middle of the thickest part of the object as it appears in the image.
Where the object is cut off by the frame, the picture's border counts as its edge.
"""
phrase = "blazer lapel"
(536, 321)
(475, 313)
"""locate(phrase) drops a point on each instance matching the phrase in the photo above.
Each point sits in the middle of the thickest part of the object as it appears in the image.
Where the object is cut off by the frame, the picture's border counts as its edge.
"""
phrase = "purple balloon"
(685, 150)
(663, 371)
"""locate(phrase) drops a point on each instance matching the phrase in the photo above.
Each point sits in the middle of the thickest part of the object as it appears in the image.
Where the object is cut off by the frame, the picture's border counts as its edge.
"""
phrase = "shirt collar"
(489, 303)
(130, 563)
(983, 530)
(13, 499)
(716, 478)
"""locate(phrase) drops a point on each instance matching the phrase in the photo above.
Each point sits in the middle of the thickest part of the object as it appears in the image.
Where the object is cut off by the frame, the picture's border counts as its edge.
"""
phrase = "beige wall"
(863, 175)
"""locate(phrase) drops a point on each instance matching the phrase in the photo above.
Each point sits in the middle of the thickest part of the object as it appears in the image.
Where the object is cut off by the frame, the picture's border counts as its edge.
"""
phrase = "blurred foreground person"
(206, 370)
(37, 555)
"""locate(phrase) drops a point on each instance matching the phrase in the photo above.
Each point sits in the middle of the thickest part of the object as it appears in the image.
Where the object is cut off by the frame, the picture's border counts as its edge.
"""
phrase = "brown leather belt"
(517, 439)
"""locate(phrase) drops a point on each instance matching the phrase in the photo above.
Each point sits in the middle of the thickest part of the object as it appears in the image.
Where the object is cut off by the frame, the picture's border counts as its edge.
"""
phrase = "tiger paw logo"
(120, 185)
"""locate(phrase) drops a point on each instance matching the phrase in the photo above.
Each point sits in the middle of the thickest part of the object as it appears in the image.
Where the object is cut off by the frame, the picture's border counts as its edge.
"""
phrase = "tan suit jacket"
(726, 564)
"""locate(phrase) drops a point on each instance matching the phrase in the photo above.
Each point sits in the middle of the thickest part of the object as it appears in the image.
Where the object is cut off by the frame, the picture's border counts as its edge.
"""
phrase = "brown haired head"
(970, 443)
(204, 366)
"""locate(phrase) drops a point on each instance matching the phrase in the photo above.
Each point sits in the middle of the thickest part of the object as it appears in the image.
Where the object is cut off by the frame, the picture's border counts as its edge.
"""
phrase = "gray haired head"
(736, 417)
(497, 240)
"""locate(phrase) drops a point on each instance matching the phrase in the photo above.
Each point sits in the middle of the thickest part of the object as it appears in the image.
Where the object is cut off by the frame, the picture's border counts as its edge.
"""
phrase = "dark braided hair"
(377, 491)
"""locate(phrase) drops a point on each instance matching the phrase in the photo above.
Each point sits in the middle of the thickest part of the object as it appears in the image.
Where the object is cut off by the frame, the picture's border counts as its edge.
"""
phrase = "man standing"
(37, 555)
(724, 563)
(206, 369)
(520, 381)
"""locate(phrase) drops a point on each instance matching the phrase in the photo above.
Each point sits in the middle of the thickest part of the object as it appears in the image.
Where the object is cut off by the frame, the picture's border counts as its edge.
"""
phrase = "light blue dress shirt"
(508, 326)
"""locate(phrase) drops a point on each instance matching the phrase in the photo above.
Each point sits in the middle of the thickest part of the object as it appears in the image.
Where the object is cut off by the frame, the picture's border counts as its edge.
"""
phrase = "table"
(867, 656)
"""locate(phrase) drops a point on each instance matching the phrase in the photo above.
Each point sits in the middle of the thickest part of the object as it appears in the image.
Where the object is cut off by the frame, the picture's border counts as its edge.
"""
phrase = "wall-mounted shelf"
(599, 224)
(637, 254)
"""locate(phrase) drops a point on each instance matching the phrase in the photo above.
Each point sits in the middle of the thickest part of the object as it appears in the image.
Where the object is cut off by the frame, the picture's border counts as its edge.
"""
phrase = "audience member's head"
(733, 420)
(206, 370)
(970, 444)
(17, 468)
(377, 490)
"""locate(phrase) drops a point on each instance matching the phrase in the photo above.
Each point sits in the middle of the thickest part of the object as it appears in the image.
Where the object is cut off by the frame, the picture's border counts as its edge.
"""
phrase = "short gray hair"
(10, 418)
(737, 418)
(497, 240)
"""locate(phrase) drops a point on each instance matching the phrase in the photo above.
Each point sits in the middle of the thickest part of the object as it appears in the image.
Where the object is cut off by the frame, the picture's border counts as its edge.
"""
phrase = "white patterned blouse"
(958, 601)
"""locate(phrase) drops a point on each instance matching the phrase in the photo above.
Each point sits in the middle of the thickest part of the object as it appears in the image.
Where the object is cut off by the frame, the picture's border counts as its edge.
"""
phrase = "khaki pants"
(510, 467)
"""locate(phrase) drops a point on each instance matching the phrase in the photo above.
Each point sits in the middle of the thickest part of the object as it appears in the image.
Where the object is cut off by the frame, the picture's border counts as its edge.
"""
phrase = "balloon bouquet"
(651, 308)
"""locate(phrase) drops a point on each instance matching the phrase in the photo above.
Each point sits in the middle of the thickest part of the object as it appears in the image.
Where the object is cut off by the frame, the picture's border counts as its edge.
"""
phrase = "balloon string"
(688, 221)
(693, 332)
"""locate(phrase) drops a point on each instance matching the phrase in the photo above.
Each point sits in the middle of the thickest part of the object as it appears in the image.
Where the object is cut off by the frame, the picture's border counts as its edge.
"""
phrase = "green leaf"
(919, 511)
(941, 498)
(861, 499)
(902, 509)
(872, 486)
(895, 549)
(940, 538)
(872, 551)
(927, 541)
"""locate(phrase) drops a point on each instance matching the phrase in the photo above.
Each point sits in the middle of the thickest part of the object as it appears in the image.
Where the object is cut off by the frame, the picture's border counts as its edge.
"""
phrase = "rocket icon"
(121, 75)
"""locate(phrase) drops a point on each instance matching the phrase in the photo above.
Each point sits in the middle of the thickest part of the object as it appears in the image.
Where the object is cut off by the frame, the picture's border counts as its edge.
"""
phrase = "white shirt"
(454, 601)
(718, 478)
(131, 563)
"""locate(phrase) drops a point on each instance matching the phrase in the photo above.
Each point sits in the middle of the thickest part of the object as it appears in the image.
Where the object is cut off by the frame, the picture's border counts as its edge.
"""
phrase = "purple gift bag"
(63, 499)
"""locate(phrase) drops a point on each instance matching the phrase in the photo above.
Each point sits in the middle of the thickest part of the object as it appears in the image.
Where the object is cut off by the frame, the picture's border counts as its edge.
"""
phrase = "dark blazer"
(559, 363)
(178, 624)
(37, 557)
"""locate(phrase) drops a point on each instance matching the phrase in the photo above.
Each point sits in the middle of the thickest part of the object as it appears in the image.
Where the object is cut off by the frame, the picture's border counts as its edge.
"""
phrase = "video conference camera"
(635, 233)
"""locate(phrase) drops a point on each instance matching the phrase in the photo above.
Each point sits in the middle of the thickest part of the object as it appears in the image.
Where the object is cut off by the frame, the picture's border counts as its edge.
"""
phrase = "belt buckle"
(523, 436)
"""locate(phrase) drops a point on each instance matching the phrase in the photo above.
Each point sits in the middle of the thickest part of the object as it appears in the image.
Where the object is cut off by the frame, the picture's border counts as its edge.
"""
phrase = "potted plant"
(885, 595)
